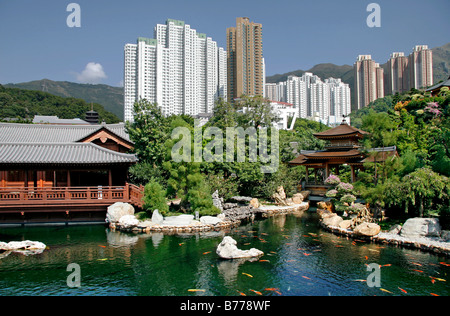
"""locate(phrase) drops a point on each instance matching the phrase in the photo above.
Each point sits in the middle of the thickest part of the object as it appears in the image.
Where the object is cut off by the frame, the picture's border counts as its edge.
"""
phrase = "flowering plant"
(333, 180)
(331, 193)
(344, 187)
(432, 107)
(348, 198)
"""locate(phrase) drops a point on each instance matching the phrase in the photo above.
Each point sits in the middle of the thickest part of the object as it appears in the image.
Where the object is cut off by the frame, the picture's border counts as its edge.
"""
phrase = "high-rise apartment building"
(397, 76)
(245, 62)
(420, 63)
(183, 71)
(369, 81)
(414, 71)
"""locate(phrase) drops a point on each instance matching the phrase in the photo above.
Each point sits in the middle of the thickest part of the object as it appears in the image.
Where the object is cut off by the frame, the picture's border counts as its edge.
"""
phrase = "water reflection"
(299, 259)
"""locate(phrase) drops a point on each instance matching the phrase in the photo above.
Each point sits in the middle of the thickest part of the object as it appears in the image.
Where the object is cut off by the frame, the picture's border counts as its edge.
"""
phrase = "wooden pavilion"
(343, 148)
(54, 172)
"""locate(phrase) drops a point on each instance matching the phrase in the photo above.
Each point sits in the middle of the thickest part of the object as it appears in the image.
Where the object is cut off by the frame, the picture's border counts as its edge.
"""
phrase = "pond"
(299, 259)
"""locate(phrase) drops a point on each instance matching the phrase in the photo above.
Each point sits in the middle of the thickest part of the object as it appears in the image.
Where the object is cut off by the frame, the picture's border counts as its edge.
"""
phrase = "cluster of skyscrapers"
(325, 101)
(186, 72)
(402, 74)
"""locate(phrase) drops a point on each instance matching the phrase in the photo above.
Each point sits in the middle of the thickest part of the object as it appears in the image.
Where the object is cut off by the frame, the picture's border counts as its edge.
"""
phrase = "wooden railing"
(135, 194)
(71, 195)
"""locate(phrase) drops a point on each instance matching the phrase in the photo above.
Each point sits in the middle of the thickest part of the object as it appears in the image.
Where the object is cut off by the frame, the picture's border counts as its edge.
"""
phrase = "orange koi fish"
(249, 275)
(402, 290)
(257, 292)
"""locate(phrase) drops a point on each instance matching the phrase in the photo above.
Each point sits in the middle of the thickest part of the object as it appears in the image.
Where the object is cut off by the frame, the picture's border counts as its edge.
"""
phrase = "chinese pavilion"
(342, 148)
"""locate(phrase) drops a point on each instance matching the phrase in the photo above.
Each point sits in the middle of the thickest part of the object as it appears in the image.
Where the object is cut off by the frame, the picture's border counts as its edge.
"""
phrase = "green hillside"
(110, 97)
(25, 104)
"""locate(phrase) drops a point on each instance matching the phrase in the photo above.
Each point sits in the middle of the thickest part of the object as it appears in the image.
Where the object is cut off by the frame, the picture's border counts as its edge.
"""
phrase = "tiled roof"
(341, 130)
(49, 133)
(60, 153)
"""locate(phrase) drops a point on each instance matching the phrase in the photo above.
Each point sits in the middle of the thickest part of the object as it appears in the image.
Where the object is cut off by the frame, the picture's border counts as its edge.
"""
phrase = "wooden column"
(109, 177)
(353, 173)
(327, 170)
(68, 178)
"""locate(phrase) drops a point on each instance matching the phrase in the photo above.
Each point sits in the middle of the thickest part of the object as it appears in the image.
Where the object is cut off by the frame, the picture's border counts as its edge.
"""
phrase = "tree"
(257, 112)
(155, 198)
(149, 132)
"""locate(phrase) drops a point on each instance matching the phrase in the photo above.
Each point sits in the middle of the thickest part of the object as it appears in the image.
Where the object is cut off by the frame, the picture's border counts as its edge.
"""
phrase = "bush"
(155, 198)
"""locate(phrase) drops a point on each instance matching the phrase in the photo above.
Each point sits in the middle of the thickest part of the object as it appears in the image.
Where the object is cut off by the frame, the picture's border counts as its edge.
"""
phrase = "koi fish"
(196, 290)
(205, 253)
(305, 277)
(102, 246)
(246, 244)
(278, 292)
(257, 292)
(243, 236)
(384, 290)
(249, 275)
(264, 234)
(365, 257)
(360, 280)
(339, 246)
(418, 270)
(434, 294)
(241, 293)
(439, 279)
(417, 264)
(445, 264)
(402, 290)
(264, 260)
(271, 289)
(306, 254)
(103, 259)
(386, 265)
(180, 244)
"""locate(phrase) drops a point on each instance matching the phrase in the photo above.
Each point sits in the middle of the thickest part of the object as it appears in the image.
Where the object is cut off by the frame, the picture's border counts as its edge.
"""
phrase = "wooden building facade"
(63, 169)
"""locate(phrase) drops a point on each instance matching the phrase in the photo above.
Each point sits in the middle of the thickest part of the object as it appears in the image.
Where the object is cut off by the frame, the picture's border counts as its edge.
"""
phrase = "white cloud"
(92, 73)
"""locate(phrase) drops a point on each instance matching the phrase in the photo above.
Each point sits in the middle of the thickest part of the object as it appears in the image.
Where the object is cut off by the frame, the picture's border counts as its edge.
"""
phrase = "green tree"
(155, 198)
(149, 132)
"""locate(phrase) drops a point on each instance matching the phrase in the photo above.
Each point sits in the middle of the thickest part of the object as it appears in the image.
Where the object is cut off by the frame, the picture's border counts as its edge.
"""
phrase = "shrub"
(155, 198)
(333, 180)
(348, 198)
(344, 187)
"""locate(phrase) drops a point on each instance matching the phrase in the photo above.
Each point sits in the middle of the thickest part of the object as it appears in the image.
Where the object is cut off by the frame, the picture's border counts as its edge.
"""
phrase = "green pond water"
(299, 259)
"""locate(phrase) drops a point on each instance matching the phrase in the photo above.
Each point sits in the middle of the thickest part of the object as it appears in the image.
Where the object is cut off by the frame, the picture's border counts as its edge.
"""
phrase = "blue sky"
(36, 43)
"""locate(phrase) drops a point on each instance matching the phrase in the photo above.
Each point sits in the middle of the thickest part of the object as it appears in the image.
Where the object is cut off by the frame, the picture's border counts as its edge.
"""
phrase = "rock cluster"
(280, 197)
(419, 233)
(227, 249)
(121, 216)
(25, 247)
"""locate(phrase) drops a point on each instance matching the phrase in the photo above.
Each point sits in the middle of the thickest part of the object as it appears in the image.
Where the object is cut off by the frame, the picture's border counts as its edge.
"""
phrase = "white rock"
(227, 249)
(210, 220)
(26, 245)
(128, 221)
(421, 227)
(179, 220)
(157, 218)
(117, 210)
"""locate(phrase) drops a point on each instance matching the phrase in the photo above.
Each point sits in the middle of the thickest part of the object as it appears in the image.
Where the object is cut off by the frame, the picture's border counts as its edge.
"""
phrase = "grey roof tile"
(60, 153)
